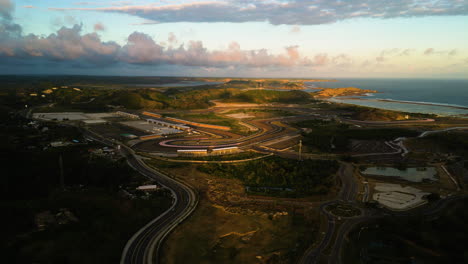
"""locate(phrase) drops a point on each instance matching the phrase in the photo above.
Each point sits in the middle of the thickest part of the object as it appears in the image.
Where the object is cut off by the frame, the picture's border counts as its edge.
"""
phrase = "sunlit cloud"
(99, 27)
(69, 44)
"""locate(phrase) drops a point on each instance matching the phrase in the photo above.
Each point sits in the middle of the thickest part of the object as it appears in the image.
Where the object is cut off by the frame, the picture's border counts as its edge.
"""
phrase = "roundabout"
(343, 210)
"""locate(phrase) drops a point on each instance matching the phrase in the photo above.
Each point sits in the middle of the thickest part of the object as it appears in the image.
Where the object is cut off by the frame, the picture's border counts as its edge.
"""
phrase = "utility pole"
(300, 150)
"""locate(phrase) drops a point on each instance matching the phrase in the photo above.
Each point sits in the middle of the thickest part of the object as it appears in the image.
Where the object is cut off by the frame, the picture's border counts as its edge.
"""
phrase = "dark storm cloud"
(294, 12)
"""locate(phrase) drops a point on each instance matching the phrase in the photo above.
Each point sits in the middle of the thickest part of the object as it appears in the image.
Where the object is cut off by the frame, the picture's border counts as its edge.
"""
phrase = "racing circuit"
(206, 139)
(268, 129)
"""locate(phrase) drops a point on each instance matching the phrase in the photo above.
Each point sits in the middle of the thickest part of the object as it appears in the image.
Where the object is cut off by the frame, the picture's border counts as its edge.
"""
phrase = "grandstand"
(192, 152)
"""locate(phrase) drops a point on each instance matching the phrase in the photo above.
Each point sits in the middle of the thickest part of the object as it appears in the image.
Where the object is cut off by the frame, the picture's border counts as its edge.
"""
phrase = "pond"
(410, 174)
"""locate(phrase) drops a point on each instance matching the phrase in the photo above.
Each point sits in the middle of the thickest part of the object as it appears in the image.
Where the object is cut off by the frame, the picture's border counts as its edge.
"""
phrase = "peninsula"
(343, 91)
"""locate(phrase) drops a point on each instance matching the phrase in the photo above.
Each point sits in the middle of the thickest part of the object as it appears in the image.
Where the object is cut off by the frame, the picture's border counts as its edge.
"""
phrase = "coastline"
(399, 105)
(408, 102)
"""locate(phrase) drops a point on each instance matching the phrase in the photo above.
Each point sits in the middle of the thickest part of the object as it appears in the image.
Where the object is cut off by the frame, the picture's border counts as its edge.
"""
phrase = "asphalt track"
(267, 131)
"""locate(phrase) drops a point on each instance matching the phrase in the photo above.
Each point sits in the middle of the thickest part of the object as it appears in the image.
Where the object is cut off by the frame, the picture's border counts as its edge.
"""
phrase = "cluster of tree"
(453, 141)
(302, 177)
(31, 184)
(329, 136)
(271, 96)
(414, 239)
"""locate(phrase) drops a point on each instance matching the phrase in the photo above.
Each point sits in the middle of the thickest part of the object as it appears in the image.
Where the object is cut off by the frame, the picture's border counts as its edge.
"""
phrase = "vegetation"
(268, 84)
(271, 112)
(293, 178)
(212, 118)
(270, 96)
(328, 136)
(102, 94)
(371, 114)
(237, 156)
(343, 210)
(446, 142)
(344, 91)
(413, 239)
(214, 235)
(93, 196)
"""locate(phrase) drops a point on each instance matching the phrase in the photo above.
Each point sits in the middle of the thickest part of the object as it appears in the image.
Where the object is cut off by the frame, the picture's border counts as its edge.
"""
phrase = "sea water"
(441, 97)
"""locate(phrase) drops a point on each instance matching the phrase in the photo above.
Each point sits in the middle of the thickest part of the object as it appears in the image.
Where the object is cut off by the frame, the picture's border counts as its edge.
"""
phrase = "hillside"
(269, 96)
(343, 91)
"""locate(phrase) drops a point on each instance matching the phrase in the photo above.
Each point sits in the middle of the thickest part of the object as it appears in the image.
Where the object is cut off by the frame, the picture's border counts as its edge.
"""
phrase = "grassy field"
(214, 119)
(213, 235)
(223, 231)
(261, 112)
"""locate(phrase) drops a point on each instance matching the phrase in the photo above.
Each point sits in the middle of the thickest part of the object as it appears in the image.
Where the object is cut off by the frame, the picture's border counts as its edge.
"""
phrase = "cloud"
(99, 27)
(142, 49)
(429, 51)
(295, 29)
(68, 44)
(290, 12)
(6, 7)
(321, 59)
(432, 51)
(395, 52)
(65, 20)
(342, 60)
(146, 22)
(29, 6)
(172, 39)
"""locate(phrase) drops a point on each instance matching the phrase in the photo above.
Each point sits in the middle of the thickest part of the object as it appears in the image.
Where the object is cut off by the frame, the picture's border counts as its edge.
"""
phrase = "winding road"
(347, 193)
(144, 246)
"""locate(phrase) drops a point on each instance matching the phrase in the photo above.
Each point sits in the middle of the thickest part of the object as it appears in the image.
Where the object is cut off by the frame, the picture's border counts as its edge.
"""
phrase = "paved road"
(427, 120)
(145, 245)
(347, 193)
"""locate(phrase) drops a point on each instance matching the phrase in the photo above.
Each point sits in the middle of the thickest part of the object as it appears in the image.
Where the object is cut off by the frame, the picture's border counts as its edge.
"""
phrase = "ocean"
(441, 97)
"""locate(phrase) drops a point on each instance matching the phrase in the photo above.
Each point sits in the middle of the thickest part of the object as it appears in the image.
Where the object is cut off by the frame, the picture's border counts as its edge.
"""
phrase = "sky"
(236, 38)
